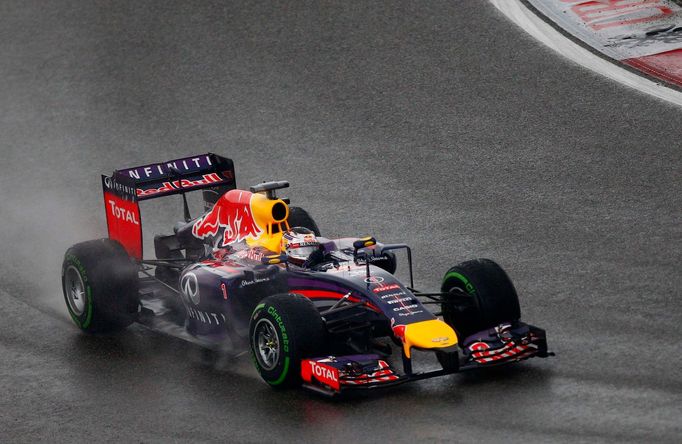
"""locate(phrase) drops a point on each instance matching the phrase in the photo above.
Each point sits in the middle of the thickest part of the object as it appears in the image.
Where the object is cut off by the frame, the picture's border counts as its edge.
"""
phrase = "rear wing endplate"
(125, 188)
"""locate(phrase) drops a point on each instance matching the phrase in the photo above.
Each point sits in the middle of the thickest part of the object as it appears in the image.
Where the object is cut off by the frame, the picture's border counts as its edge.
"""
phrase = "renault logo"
(190, 287)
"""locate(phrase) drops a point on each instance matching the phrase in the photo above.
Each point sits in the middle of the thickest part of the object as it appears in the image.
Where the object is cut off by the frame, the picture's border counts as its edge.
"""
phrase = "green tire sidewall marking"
(258, 307)
(253, 316)
(285, 350)
(467, 285)
(73, 260)
(285, 371)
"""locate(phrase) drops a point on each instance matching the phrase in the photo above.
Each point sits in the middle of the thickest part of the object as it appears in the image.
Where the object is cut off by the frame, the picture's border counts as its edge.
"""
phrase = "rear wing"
(125, 188)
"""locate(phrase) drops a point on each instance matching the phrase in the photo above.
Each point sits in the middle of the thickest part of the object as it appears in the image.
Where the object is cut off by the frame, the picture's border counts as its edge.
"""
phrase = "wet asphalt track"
(435, 123)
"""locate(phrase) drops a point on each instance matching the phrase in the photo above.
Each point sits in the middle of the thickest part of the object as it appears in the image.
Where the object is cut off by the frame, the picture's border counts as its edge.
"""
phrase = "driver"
(299, 244)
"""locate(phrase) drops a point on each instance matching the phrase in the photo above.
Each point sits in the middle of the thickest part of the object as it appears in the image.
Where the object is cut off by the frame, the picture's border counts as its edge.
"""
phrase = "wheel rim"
(266, 344)
(74, 290)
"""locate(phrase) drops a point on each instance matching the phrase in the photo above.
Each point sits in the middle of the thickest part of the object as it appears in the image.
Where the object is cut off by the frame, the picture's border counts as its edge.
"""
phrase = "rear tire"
(100, 286)
(492, 297)
(284, 329)
(298, 217)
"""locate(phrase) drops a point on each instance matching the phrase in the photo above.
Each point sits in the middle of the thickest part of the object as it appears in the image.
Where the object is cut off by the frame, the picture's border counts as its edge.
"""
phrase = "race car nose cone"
(429, 334)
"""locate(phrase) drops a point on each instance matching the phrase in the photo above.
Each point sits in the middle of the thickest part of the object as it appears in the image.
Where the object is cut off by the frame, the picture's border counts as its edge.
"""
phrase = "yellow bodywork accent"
(368, 241)
(272, 242)
(429, 334)
(274, 259)
(262, 211)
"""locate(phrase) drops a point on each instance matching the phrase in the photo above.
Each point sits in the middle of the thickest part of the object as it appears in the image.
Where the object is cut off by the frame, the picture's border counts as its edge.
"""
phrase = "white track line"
(546, 34)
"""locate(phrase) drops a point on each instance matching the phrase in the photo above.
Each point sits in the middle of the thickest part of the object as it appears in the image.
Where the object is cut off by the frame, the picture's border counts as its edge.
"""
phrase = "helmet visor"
(301, 252)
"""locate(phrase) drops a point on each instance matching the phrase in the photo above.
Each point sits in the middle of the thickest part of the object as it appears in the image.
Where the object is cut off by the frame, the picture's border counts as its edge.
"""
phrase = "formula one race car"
(255, 273)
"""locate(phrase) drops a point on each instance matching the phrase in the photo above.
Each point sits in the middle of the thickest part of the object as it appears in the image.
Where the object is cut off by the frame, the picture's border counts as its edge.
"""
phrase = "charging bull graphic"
(245, 216)
(234, 215)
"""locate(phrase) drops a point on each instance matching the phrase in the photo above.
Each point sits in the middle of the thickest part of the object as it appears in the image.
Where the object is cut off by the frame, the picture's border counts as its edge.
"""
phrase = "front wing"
(503, 344)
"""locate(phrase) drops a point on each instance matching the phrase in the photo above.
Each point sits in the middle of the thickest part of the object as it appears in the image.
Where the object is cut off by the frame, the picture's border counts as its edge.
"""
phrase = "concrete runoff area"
(439, 124)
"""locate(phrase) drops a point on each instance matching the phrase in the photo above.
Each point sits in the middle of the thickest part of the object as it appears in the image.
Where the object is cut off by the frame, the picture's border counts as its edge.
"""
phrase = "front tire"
(489, 294)
(100, 286)
(284, 329)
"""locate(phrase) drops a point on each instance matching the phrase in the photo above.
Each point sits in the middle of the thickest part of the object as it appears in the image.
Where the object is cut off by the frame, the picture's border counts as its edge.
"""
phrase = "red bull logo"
(233, 214)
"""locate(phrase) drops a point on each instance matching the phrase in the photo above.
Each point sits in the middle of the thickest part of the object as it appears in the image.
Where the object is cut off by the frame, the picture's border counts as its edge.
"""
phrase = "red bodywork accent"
(342, 372)
(399, 332)
(384, 374)
(170, 187)
(124, 223)
(386, 288)
(479, 346)
(233, 213)
(326, 294)
(325, 374)
(517, 351)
